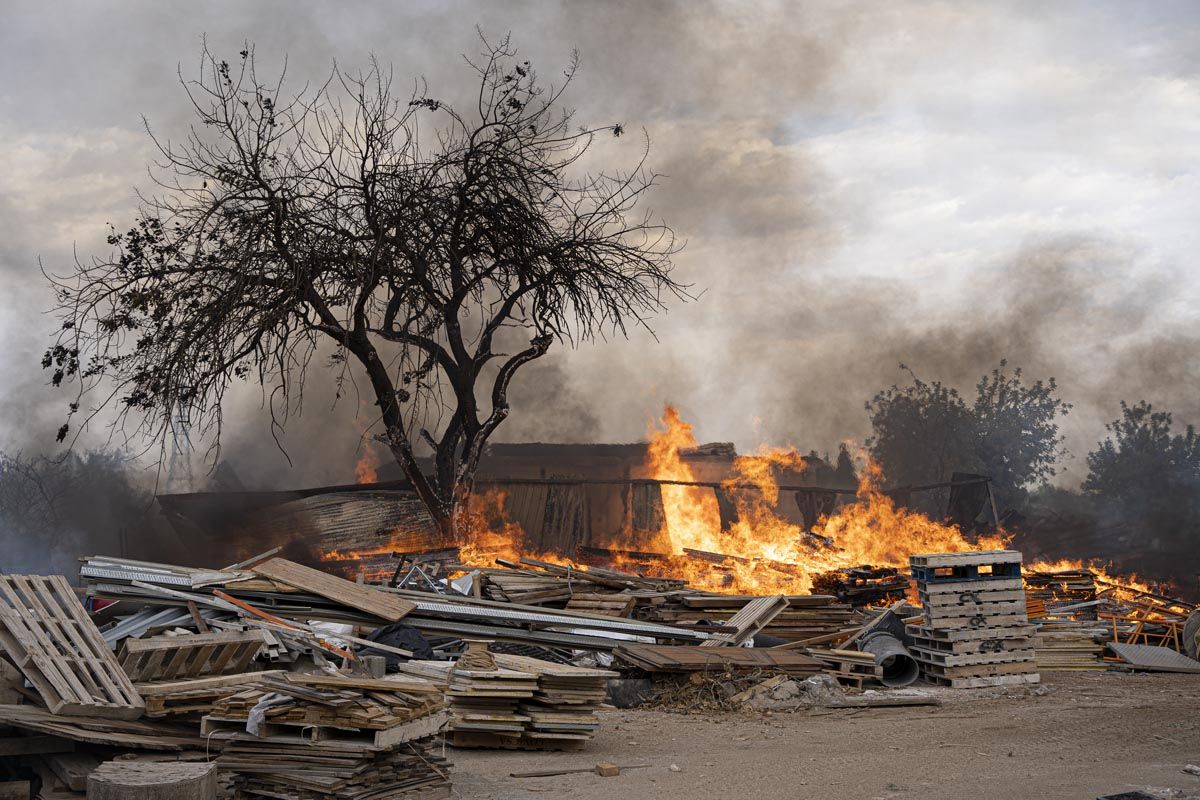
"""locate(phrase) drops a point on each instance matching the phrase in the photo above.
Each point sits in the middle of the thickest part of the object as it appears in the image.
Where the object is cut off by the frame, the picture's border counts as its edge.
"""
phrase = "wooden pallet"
(982, 565)
(988, 670)
(970, 659)
(980, 683)
(978, 621)
(1023, 630)
(968, 597)
(48, 636)
(965, 647)
(174, 658)
(968, 558)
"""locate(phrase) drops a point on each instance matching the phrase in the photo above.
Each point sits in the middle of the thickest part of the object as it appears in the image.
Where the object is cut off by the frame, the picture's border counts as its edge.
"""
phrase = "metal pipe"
(899, 667)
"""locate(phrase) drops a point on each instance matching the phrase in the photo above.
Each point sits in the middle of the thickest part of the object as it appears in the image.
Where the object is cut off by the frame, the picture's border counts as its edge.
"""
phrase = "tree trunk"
(155, 780)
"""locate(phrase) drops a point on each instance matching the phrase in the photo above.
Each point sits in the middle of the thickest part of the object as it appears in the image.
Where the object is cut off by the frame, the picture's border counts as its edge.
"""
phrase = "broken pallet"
(48, 636)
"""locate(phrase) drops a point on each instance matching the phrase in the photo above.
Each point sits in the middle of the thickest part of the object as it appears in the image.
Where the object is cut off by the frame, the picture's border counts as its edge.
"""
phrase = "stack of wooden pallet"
(312, 737)
(975, 631)
(483, 702)
(562, 712)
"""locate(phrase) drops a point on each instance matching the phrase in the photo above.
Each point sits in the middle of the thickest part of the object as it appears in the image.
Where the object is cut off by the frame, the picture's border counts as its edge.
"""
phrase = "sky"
(860, 185)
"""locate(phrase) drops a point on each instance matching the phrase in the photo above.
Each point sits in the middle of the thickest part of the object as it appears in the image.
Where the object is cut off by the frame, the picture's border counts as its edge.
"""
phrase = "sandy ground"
(1085, 735)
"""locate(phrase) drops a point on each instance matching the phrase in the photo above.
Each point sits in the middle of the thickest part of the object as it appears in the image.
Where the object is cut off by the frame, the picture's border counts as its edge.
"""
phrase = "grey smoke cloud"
(859, 184)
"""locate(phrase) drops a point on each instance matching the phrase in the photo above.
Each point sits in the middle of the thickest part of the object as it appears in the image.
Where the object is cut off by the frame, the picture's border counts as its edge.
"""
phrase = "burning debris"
(294, 682)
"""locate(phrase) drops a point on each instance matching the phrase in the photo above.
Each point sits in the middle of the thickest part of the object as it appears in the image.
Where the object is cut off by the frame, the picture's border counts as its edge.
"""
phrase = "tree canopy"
(925, 431)
(1141, 458)
(434, 249)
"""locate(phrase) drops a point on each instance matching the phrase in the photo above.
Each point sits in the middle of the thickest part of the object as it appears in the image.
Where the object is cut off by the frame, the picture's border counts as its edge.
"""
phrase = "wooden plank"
(389, 607)
(753, 617)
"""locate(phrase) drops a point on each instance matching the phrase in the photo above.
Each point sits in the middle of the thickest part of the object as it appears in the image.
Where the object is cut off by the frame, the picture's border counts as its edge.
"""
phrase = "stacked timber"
(562, 712)
(806, 616)
(482, 702)
(974, 631)
(312, 737)
(656, 659)
(1067, 645)
(1048, 589)
(863, 586)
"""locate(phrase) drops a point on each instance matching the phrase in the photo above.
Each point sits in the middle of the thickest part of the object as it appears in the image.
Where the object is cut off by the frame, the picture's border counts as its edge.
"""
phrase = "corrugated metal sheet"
(1154, 659)
(354, 521)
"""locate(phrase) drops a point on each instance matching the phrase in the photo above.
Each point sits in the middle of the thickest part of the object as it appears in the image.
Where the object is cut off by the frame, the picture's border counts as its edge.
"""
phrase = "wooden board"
(752, 618)
(48, 636)
(378, 603)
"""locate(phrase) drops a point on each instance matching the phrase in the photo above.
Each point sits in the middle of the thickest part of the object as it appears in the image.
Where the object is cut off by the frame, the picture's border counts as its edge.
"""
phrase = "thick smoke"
(859, 186)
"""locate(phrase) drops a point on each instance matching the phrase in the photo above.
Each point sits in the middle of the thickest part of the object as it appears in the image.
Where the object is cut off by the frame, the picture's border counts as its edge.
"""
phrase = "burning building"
(764, 522)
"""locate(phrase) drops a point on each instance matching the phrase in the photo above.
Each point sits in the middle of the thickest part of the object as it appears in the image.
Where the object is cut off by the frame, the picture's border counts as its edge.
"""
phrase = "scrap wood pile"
(669, 601)
(1061, 592)
(319, 736)
(863, 586)
(281, 598)
(509, 701)
(73, 695)
(975, 631)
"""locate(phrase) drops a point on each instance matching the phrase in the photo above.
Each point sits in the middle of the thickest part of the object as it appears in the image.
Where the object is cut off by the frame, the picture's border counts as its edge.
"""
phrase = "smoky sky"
(859, 185)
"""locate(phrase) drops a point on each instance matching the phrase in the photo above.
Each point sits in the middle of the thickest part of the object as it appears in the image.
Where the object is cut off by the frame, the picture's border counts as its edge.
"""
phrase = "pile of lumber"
(483, 702)
(332, 736)
(718, 660)
(512, 701)
(562, 711)
(863, 586)
(282, 597)
(805, 617)
(1068, 645)
(1047, 590)
(974, 630)
(320, 770)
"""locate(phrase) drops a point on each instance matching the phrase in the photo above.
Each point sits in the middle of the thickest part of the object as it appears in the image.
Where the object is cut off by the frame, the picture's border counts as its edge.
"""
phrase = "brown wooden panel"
(373, 601)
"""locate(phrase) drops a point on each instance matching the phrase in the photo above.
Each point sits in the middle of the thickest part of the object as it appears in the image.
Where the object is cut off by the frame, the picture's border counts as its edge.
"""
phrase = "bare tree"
(436, 250)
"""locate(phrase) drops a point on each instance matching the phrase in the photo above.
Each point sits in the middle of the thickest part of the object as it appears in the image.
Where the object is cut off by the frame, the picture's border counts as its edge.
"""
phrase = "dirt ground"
(1083, 736)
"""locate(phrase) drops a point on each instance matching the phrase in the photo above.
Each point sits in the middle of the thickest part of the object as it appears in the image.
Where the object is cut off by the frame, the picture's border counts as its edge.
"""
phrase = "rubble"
(264, 668)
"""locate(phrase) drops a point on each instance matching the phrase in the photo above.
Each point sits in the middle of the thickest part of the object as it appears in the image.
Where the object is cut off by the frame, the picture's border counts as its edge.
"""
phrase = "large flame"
(761, 551)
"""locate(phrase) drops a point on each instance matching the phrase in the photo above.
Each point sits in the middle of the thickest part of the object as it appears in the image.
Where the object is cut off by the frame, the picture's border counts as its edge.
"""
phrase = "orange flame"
(765, 552)
(364, 468)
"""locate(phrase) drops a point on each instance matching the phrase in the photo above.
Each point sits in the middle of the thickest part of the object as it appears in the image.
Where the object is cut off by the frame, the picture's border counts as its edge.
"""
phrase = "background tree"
(433, 249)
(1144, 479)
(925, 431)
